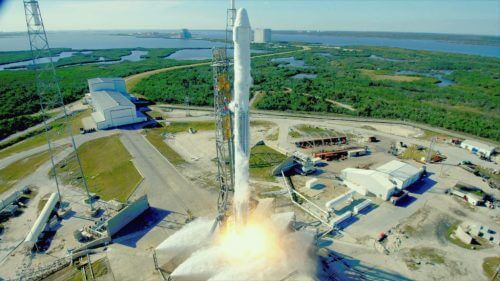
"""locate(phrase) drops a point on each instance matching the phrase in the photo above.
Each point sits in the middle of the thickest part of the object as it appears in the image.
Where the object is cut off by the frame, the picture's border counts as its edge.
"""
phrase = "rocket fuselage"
(242, 80)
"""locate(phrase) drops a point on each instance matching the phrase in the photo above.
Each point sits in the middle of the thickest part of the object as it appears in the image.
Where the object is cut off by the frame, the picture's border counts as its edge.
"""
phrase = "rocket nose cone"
(242, 18)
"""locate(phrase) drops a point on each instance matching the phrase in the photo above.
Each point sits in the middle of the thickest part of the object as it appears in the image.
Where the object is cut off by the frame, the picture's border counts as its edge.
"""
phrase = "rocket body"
(242, 80)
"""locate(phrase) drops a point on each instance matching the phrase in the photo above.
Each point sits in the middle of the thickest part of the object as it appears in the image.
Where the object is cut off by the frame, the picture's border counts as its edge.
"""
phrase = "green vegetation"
(17, 88)
(38, 138)
(412, 152)
(263, 159)
(314, 130)
(416, 255)
(16, 56)
(491, 267)
(384, 75)
(183, 127)
(108, 168)
(156, 138)
(294, 133)
(471, 105)
(18, 170)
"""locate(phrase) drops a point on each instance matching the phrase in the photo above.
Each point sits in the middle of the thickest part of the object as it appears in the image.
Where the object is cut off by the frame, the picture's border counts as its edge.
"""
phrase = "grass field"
(57, 130)
(427, 254)
(155, 137)
(183, 127)
(490, 267)
(262, 161)
(378, 75)
(18, 170)
(108, 168)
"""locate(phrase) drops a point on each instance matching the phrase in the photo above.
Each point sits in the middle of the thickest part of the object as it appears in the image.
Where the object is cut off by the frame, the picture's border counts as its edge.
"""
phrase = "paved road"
(70, 109)
(165, 186)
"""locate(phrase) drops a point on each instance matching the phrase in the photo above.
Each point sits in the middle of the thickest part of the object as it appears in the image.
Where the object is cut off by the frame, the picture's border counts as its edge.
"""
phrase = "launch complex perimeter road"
(132, 80)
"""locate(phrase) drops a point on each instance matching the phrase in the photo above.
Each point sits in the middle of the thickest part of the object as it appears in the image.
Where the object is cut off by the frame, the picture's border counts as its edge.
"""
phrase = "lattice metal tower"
(50, 97)
(223, 121)
(223, 132)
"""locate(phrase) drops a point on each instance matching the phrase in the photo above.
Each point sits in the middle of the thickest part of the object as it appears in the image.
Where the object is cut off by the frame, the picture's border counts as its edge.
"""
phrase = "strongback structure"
(50, 97)
(223, 132)
(223, 121)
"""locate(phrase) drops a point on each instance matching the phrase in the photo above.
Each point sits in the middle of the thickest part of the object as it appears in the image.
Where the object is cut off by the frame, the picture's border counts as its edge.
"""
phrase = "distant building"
(111, 103)
(478, 148)
(185, 34)
(262, 35)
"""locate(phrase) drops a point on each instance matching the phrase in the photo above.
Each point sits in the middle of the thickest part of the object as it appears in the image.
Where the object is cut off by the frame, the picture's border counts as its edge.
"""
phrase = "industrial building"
(401, 173)
(478, 148)
(384, 181)
(369, 181)
(262, 35)
(111, 103)
(108, 84)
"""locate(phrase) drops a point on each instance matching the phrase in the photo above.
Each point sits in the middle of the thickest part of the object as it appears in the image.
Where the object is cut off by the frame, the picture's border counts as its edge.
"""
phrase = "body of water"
(134, 56)
(101, 40)
(106, 40)
(22, 64)
(439, 74)
(291, 62)
(201, 54)
(304, 76)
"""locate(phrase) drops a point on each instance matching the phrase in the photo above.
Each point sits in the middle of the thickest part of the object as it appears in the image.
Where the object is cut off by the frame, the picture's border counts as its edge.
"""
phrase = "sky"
(438, 16)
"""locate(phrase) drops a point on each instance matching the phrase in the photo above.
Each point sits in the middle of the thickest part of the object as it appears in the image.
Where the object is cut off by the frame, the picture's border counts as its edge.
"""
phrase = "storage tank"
(40, 222)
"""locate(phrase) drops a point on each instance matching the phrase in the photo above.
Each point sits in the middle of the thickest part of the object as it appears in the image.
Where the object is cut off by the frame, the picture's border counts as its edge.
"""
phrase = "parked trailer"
(321, 141)
(361, 206)
(341, 153)
(340, 219)
(9, 199)
(41, 222)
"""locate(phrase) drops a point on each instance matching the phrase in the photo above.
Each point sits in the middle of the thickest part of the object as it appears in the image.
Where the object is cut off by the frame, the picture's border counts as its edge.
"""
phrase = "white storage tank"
(330, 205)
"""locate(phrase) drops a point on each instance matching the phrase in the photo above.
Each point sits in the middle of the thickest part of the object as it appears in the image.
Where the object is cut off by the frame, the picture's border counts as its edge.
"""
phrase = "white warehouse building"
(401, 173)
(108, 84)
(262, 35)
(111, 103)
(384, 181)
(478, 148)
(369, 181)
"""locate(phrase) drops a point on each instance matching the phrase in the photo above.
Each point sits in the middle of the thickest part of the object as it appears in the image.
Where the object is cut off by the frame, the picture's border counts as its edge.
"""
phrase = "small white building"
(403, 174)
(262, 35)
(369, 181)
(111, 103)
(478, 148)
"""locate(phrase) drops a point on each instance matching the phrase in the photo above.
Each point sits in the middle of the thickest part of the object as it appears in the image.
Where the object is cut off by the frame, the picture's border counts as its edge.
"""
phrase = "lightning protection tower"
(50, 97)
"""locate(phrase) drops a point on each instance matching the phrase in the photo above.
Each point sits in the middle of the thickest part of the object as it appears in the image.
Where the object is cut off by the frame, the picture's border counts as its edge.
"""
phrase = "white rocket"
(242, 80)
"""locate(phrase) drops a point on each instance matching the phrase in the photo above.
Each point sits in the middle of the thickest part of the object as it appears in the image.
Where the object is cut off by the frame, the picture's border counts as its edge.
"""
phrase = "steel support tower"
(223, 132)
(50, 97)
(223, 121)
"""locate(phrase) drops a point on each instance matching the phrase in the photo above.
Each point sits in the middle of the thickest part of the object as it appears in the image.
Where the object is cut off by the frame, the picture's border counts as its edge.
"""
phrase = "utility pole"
(50, 97)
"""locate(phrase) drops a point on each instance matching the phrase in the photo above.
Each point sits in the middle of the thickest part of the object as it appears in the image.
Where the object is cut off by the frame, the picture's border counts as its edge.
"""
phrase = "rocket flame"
(249, 242)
